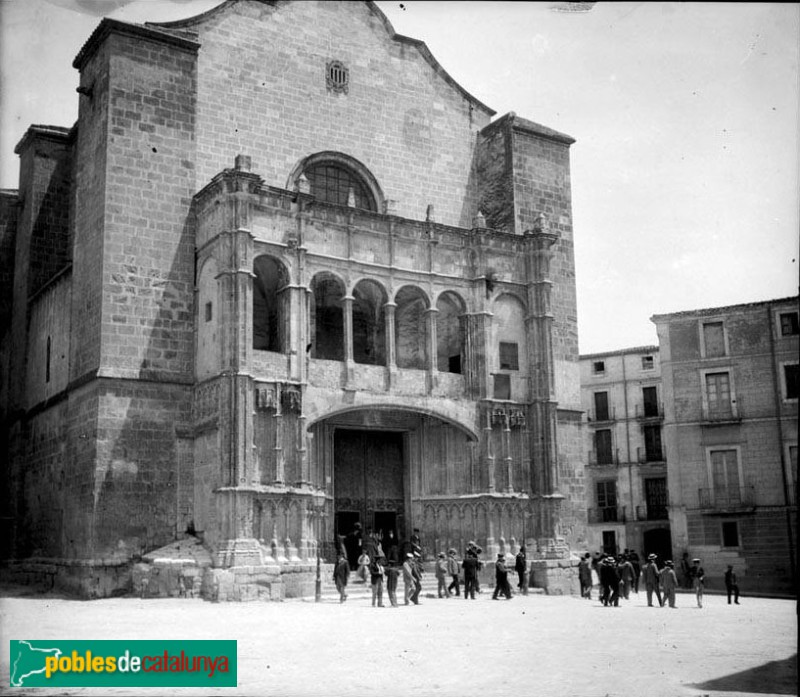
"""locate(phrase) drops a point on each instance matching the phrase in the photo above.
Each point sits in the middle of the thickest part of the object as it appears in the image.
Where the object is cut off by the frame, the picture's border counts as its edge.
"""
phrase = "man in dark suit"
(501, 578)
(470, 566)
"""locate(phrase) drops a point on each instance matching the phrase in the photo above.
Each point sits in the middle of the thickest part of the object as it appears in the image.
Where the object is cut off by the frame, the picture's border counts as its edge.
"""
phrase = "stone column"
(507, 453)
(391, 341)
(476, 370)
(347, 302)
(489, 462)
(432, 348)
(539, 252)
(302, 446)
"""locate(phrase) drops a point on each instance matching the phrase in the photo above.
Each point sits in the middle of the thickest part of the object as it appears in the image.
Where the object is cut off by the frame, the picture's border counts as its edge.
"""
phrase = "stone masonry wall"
(137, 476)
(49, 328)
(148, 262)
(41, 504)
(261, 68)
(572, 481)
(542, 185)
(88, 245)
(495, 185)
(8, 234)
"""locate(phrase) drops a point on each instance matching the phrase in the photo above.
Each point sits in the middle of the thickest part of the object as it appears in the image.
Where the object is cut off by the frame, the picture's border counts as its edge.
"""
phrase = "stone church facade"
(285, 275)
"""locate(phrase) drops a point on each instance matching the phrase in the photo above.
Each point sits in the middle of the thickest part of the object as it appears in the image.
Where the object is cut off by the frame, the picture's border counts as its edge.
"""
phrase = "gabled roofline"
(420, 45)
(194, 19)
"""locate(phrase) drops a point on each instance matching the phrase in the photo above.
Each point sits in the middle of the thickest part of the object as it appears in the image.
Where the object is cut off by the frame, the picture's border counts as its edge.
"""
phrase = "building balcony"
(602, 415)
(723, 415)
(603, 458)
(607, 514)
(650, 455)
(731, 500)
(652, 512)
(647, 412)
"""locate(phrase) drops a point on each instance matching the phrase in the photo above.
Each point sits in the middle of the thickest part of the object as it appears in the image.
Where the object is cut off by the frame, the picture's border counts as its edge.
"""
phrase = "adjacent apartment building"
(626, 473)
(730, 391)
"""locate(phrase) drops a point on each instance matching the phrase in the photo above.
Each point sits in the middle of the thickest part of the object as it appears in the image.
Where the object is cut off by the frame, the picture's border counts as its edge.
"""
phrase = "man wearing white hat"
(699, 577)
(669, 582)
(651, 581)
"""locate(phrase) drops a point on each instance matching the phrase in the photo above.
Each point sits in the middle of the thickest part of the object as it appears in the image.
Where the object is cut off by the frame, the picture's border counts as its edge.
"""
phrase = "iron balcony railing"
(607, 514)
(649, 411)
(729, 498)
(728, 412)
(609, 414)
(603, 457)
(644, 455)
(652, 512)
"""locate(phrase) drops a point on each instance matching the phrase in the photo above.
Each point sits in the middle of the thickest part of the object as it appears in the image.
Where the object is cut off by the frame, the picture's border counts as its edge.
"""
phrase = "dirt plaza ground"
(531, 645)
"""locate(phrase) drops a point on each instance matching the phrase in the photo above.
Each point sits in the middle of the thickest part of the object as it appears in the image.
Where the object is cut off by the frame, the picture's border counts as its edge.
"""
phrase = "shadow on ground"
(775, 678)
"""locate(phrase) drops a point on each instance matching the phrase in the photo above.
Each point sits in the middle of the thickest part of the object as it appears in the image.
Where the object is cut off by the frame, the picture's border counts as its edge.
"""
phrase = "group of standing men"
(617, 576)
(447, 567)
(472, 564)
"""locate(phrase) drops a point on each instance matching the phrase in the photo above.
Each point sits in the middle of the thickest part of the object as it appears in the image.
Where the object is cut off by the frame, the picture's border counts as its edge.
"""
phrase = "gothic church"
(284, 275)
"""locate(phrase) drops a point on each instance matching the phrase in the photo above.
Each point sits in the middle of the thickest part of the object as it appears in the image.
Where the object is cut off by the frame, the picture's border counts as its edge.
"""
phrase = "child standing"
(363, 566)
(441, 576)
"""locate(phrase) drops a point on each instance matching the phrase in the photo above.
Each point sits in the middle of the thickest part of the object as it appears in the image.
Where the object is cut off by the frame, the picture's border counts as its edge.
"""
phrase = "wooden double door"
(369, 485)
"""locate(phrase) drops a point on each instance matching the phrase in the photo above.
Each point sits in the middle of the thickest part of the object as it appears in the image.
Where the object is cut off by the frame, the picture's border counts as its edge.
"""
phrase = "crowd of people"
(364, 556)
(618, 576)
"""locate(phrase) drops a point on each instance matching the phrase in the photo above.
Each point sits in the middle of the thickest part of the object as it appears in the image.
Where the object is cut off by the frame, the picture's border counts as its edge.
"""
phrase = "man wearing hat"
(470, 566)
(609, 582)
(731, 586)
(417, 571)
(669, 582)
(341, 573)
(452, 569)
(651, 581)
(626, 575)
(408, 579)
(501, 578)
(391, 571)
(699, 577)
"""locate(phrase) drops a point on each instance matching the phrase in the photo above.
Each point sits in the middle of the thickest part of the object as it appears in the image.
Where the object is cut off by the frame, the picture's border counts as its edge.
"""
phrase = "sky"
(685, 169)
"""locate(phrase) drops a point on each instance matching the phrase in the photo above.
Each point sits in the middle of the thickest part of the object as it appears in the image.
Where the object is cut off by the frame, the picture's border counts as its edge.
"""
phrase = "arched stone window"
(269, 304)
(450, 333)
(327, 317)
(339, 179)
(369, 323)
(411, 328)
